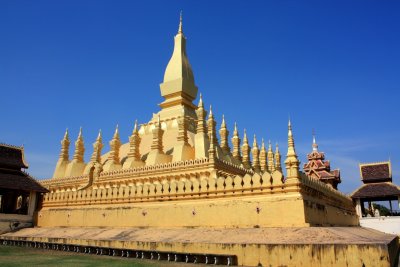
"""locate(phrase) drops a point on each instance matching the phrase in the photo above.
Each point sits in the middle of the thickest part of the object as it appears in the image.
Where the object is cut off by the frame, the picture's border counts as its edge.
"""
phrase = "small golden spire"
(201, 101)
(236, 145)
(292, 162)
(134, 143)
(201, 117)
(212, 135)
(263, 157)
(270, 157)
(115, 144)
(97, 147)
(79, 147)
(291, 148)
(64, 154)
(211, 124)
(157, 143)
(256, 153)
(246, 151)
(224, 134)
(278, 165)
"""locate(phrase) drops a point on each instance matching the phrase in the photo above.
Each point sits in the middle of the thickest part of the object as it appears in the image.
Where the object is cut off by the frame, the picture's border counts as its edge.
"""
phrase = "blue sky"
(332, 65)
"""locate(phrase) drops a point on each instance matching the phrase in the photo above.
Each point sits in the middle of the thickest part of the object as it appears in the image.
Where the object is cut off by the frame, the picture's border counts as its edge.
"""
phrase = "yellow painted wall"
(250, 211)
(249, 201)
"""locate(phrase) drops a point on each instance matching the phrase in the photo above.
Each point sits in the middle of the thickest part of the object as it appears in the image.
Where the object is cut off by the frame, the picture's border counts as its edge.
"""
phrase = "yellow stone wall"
(241, 201)
(244, 212)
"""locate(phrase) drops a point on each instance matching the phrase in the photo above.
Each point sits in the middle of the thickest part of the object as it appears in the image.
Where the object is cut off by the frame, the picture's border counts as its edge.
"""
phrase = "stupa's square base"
(309, 246)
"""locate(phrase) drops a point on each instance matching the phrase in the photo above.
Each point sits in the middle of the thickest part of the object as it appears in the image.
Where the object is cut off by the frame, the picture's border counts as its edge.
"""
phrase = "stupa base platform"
(310, 246)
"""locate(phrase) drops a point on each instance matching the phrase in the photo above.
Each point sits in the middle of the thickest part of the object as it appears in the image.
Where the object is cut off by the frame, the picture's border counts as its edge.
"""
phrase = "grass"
(21, 256)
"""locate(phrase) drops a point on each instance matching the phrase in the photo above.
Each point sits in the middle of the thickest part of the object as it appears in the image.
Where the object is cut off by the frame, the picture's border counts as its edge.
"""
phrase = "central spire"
(178, 87)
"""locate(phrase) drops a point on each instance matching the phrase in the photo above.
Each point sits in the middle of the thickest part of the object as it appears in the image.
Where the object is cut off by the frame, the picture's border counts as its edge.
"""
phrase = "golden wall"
(240, 201)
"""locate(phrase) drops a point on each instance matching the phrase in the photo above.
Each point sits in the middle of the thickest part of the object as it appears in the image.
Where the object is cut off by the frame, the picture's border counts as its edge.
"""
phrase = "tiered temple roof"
(319, 168)
(12, 160)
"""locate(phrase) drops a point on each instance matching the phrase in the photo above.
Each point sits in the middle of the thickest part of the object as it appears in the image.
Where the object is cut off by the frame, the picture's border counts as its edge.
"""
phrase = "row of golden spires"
(262, 159)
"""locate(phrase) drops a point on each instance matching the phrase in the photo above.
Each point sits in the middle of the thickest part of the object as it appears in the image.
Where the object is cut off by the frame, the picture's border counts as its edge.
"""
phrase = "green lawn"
(21, 256)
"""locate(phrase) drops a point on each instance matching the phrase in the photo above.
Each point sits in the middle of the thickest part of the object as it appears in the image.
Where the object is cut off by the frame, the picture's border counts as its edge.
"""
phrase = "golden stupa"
(176, 188)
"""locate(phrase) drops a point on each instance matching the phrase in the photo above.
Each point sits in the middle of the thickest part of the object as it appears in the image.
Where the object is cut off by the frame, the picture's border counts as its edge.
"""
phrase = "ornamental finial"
(255, 141)
(80, 133)
(116, 133)
(223, 124)
(180, 23)
(66, 134)
(291, 149)
(201, 101)
(99, 136)
(314, 145)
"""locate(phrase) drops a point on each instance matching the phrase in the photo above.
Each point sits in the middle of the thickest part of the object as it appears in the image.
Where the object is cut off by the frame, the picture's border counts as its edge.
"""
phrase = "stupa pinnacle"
(178, 87)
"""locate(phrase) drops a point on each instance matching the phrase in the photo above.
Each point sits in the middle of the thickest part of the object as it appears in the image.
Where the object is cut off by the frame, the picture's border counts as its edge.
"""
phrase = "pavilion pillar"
(32, 203)
(358, 208)
(398, 201)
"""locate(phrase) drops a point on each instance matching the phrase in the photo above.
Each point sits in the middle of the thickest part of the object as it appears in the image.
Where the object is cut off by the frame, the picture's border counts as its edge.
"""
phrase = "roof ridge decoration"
(12, 146)
(375, 163)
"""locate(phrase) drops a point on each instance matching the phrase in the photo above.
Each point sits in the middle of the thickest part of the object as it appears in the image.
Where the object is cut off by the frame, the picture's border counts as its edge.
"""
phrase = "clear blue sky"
(332, 65)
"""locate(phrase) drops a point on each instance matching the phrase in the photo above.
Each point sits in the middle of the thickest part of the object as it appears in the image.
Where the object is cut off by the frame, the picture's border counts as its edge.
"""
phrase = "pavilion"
(19, 192)
(378, 186)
